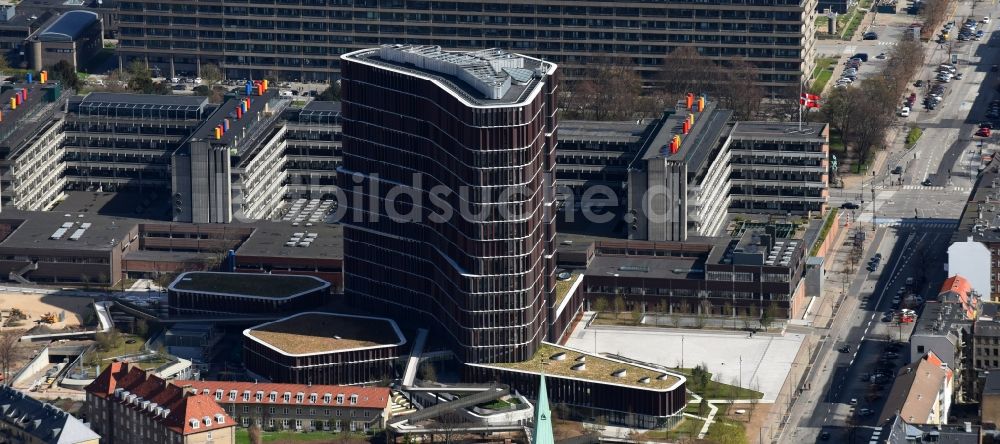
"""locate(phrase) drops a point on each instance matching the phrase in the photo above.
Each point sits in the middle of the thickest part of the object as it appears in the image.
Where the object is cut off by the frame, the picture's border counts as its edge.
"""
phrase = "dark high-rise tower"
(449, 177)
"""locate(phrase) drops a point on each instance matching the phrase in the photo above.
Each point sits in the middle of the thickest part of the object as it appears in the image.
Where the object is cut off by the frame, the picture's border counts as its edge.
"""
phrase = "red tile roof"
(956, 283)
(961, 288)
(368, 397)
(183, 410)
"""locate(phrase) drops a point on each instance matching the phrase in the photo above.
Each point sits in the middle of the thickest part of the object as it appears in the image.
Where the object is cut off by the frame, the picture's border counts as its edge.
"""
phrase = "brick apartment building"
(303, 407)
(128, 405)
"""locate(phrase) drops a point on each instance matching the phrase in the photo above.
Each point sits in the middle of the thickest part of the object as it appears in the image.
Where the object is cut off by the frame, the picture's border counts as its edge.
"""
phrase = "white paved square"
(767, 359)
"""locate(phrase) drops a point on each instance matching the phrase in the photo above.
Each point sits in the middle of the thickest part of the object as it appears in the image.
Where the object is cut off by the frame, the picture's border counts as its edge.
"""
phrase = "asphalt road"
(837, 376)
(913, 222)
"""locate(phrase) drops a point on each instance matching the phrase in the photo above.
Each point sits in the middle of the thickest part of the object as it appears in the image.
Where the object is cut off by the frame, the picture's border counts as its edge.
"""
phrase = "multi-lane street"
(913, 215)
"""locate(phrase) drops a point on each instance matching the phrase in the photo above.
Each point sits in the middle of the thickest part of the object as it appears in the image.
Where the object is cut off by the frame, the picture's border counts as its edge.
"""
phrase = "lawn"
(726, 431)
(822, 74)
(913, 135)
(688, 428)
(497, 404)
(718, 390)
(122, 346)
(243, 437)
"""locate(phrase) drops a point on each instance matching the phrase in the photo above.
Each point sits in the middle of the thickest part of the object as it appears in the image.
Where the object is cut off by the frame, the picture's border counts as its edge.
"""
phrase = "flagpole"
(801, 104)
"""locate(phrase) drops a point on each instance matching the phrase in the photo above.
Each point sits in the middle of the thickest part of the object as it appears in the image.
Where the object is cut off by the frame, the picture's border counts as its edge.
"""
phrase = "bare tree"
(256, 434)
(739, 89)
(685, 70)
(9, 352)
(211, 74)
(933, 14)
(619, 304)
(609, 91)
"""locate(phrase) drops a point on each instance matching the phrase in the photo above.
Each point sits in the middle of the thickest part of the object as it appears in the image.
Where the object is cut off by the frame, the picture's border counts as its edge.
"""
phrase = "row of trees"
(619, 306)
(614, 91)
(933, 13)
(862, 115)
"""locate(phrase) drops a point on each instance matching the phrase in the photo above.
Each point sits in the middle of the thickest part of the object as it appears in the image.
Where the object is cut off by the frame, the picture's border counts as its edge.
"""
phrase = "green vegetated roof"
(595, 368)
(261, 285)
(563, 287)
(320, 332)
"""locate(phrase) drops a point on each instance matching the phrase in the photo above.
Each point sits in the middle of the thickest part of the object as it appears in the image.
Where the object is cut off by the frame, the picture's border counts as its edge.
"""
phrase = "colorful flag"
(809, 100)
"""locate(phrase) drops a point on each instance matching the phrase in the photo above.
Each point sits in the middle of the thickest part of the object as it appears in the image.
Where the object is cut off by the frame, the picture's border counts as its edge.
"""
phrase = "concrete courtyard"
(766, 358)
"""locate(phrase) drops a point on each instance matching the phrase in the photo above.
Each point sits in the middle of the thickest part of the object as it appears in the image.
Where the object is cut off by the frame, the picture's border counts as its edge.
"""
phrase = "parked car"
(918, 83)
(865, 412)
(904, 112)
(898, 169)
(986, 19)
(871, 35)
(983, 132)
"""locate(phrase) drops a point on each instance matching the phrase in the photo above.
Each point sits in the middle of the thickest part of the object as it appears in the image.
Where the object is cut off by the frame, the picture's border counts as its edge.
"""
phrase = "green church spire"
(543, 417)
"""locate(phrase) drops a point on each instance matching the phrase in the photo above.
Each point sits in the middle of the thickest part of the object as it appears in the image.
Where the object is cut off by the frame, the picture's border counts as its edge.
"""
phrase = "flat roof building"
(481, 125)
(780, 167)
(758, 269)
(212, 293)
(681, 185)
(74, 36)
(324, 348)
(308, 36)
(632, 394)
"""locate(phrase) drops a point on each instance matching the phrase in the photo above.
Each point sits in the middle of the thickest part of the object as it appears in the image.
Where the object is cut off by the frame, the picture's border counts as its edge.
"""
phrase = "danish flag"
(809, 100)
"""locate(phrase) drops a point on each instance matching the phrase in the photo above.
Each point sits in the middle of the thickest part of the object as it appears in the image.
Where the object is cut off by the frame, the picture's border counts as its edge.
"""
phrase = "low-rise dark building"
(73, 36)
(280, 247)
(211, 293)
(324, 348)
(760, 269)
(594, 386)
(64, 247)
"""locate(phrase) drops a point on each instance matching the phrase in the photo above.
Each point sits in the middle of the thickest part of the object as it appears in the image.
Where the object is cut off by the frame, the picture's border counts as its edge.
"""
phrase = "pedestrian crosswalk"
(935, 225)
(921, 187)
(886, 43)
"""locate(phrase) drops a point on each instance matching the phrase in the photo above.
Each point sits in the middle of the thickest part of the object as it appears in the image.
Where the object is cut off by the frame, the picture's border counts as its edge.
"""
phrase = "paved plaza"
(766, 359)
